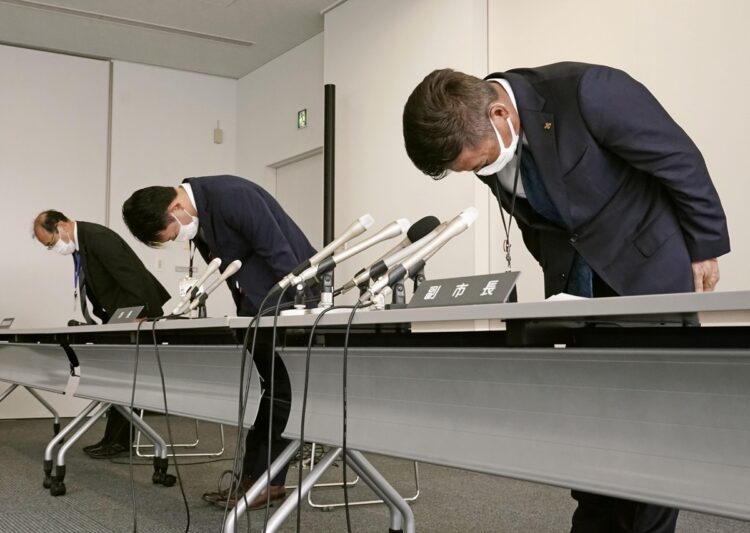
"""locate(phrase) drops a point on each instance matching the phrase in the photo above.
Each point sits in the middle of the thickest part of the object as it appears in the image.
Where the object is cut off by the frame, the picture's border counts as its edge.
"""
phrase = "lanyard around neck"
(496, 187)
(191, 252)
(76, 277)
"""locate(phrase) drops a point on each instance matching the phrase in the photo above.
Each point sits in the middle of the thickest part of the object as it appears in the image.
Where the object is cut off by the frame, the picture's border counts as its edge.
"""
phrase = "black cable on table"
(169, 426)
(304, 407)
(130, 431)
(242, 403)
(344, 406)
(245, 391)
(270, 407)
(166, 413)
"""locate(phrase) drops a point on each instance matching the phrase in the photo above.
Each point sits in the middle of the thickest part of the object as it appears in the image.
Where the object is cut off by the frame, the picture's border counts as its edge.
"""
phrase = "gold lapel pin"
(548, 126)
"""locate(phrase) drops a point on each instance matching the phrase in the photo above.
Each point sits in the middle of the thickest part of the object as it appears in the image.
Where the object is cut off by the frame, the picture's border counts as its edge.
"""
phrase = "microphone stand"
(299, 297)
(398, 298)
(300, 307)
(418, 278)
(326, 290)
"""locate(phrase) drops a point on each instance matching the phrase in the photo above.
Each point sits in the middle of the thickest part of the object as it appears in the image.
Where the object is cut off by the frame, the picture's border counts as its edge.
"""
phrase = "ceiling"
(222, 37)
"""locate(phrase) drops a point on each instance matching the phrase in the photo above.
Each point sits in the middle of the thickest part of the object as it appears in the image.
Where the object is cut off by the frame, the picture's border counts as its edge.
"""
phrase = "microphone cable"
(357, 306)
(130, 430)
(244, 392)
(270, 407)
(245, 382)
(166, 413)
(169, 427)
(304, 407)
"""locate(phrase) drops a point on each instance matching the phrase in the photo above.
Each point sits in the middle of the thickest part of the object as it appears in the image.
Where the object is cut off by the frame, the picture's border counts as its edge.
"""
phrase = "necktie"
(580, 277)
(82, 290)
(536, 192)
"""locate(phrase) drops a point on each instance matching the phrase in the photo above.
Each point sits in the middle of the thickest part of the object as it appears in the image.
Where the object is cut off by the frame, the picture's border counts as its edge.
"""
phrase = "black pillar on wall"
(329, 163)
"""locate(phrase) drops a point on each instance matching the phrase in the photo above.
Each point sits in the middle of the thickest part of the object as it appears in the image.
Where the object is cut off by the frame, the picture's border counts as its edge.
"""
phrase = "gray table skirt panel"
(665, 426)
(201, 381)
(38, 366)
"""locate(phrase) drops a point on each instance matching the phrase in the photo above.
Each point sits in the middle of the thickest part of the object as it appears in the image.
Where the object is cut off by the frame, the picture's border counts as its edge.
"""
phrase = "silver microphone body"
(396, 254)
(355, 229)
(457, 225)
(413, 247)
(420, 229)
(231, 269)
(394, 229)
(212, 267)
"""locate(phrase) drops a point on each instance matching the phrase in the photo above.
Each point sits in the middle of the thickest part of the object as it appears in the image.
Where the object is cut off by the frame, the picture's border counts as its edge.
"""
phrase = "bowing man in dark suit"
(109, 275)
(610, 194)
(232, 218)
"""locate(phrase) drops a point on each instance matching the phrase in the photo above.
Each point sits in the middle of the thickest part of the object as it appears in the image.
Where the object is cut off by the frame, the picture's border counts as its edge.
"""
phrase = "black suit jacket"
(241, 220)
(115, 277)
(633, 190)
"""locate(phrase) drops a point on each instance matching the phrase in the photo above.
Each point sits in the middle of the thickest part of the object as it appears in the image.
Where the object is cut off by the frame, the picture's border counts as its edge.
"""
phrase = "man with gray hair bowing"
(610, 194)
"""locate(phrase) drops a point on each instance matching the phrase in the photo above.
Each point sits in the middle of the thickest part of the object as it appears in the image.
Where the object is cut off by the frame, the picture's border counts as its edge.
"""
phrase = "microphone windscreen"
(422, 227)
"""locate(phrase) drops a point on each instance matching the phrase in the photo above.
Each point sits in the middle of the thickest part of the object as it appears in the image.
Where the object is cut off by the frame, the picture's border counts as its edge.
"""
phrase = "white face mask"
(64, 248)
(187, 231)
(506, 153)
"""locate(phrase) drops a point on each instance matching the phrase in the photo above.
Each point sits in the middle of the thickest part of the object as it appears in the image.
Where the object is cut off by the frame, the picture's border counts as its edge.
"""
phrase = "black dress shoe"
(91, 447)
(108, 451)
(223, 493)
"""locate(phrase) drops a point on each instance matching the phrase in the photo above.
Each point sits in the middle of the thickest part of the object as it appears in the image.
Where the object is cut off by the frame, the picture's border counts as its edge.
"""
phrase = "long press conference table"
(611, 395)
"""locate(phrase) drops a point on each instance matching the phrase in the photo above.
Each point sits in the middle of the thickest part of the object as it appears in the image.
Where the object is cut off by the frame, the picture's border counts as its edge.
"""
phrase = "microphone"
(355, 229)
(417, 233)
(382, 267)
(415, 262)
(212, 267)
(231, 269)
(394, 229)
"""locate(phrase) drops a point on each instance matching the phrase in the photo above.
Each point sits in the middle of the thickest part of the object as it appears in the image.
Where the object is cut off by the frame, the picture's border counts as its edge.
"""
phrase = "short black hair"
(445, 113)
(145, 213)
(49, 219)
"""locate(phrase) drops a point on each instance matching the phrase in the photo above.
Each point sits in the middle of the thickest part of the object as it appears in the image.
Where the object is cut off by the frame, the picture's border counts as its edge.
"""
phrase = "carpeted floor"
(98, 497)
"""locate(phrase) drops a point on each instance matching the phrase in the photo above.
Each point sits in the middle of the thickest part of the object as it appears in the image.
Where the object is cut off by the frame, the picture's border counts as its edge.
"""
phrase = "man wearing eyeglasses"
(107, 274)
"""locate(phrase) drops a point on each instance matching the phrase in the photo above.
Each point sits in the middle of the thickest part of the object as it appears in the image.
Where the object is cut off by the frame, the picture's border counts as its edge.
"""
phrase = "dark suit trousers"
(118, 428)
(255, 461)
(605, 514)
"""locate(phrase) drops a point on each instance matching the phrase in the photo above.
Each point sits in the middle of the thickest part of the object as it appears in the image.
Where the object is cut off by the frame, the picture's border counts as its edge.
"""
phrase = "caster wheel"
(169, 480)
(47, 483)
(57, 488)
(56, 428)
(157, 478)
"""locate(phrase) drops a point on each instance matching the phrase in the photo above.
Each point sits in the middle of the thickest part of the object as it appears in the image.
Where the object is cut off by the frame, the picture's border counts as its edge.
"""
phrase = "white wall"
(54, 109)
(268, 100)
(162, 132)
(53, 154)
(692, 55)
(53, 140)
(375, 54)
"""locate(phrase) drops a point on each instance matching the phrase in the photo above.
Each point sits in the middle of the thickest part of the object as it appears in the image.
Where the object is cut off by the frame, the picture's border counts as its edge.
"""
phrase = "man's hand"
(705, 275)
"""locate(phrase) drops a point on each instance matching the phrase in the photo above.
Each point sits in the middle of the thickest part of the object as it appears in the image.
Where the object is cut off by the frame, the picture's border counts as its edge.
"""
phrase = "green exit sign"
(302, 119)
